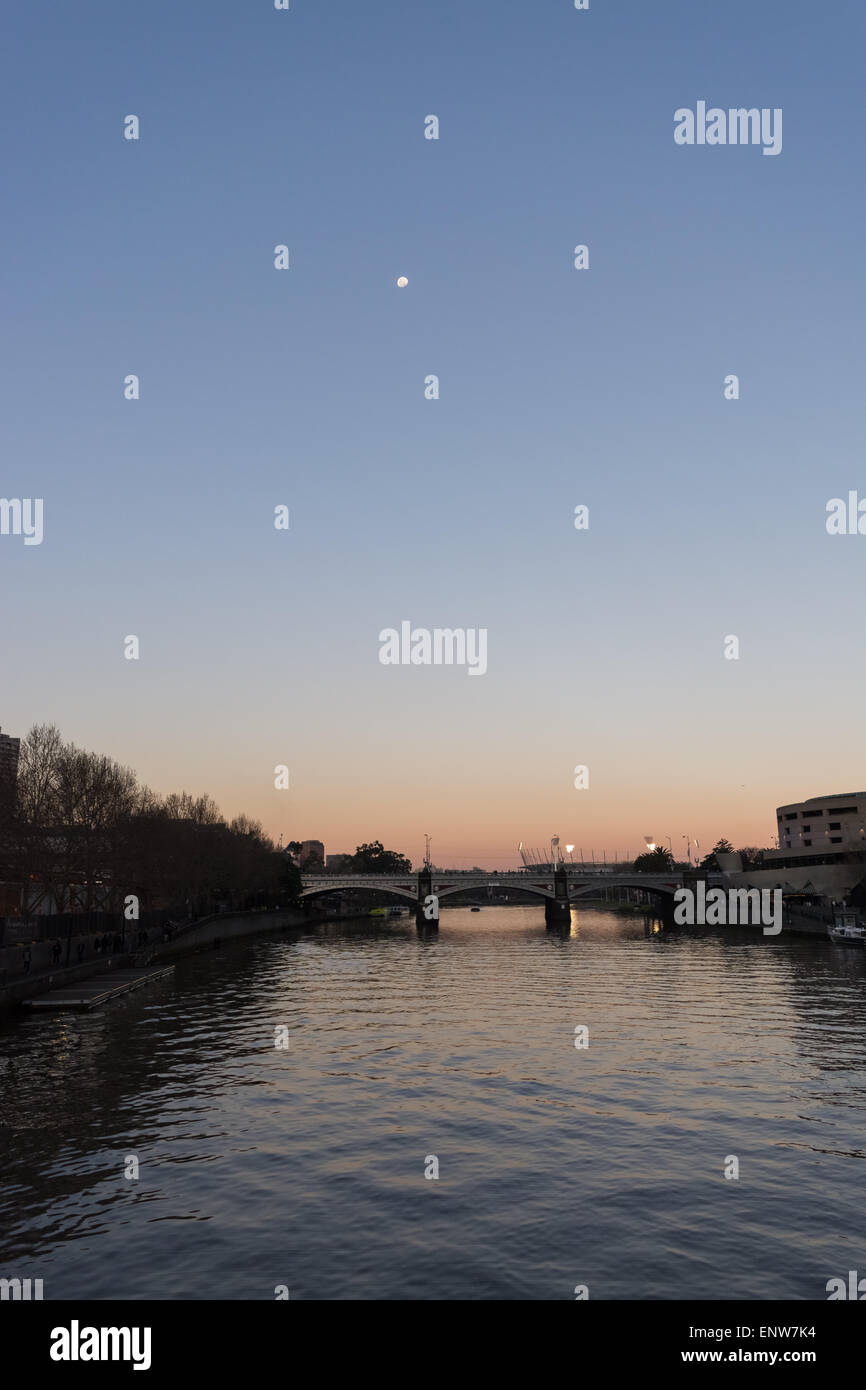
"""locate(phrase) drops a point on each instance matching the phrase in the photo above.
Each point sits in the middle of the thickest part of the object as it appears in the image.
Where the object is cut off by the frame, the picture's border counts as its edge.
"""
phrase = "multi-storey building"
(9, 750)
(823, 821)
(311, 850)
(822, 849)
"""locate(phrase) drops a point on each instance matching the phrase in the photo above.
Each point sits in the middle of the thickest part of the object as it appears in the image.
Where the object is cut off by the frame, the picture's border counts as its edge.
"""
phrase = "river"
(303, 1165)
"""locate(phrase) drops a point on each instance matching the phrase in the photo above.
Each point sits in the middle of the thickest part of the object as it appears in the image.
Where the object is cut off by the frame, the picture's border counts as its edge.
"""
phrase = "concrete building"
(822, 822)
(822, 849)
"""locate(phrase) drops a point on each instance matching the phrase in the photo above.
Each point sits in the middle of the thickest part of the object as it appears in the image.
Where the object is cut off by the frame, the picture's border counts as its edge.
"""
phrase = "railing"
(572, 871)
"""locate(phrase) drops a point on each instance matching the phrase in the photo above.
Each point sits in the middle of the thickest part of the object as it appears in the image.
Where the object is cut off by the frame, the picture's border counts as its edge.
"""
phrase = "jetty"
(90, 993)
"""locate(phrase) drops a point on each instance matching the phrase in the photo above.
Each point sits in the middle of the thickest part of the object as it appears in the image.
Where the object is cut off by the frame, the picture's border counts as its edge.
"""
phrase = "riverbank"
(209, 932)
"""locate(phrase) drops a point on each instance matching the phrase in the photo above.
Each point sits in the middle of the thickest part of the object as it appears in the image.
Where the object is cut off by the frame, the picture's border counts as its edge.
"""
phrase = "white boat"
(848, 930)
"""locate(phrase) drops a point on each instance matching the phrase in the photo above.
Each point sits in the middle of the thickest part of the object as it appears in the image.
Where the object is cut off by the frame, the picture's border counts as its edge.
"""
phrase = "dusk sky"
(558, 387)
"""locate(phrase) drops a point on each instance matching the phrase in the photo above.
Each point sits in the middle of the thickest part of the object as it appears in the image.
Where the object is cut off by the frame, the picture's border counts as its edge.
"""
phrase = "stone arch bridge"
(558, 890)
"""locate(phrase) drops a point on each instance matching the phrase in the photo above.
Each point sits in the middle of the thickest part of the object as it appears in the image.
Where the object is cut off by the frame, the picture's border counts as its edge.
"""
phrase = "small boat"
(475, 909)
(378, 912)
(847, 930)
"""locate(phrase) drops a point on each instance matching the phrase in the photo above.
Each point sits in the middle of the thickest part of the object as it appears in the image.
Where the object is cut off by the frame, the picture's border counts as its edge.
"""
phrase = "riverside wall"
(210, 932)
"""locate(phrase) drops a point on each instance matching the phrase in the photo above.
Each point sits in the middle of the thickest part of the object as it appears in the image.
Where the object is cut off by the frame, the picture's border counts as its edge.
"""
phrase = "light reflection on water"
(305, 1166)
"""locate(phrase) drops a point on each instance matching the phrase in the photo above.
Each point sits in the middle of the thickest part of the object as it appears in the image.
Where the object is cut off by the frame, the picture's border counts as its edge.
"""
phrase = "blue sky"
(558, 387)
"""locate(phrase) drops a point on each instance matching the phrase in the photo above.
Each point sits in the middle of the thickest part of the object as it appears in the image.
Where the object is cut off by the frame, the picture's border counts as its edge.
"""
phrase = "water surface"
(304, 1166)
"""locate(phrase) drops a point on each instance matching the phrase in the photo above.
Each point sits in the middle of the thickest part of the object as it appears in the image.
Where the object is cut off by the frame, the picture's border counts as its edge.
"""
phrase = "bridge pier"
(557, 910)
(427, 906)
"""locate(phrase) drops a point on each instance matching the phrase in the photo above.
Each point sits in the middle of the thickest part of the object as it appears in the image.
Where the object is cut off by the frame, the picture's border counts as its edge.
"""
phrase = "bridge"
(557, 889)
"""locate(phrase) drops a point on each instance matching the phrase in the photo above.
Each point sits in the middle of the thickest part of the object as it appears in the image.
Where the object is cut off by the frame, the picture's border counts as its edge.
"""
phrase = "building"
(822, 849)
(822, 822)
(339, 862)
(311, 851)
(9, 751)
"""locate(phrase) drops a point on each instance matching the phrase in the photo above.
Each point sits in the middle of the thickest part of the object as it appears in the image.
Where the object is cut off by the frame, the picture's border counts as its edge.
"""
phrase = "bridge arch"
(589, 890)
(495, 883)
(403, 895)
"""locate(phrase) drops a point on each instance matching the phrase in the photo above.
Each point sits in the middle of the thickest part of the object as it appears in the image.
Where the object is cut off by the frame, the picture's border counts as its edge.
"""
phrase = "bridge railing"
(573, 871)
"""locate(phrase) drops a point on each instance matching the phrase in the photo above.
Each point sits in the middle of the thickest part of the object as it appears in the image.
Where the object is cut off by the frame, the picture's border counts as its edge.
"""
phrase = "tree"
(288, 879)
(723, 847)
(751, 857)
(375, 859)
(655, 861)
(88, 833)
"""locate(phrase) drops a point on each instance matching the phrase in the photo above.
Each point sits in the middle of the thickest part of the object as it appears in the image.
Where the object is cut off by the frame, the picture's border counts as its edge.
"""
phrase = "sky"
(558, 388)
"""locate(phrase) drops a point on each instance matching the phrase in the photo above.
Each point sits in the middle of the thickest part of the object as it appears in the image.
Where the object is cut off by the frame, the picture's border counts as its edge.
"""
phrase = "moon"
(402, 282)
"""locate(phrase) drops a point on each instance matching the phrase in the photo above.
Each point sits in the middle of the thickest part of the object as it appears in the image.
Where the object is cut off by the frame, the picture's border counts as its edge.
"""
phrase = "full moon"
(402, 282)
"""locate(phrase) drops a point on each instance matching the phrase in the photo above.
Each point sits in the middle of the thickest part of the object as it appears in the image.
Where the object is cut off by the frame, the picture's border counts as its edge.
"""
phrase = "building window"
(807, 842)
(811, 814)
(791, 815)
(835, 825)
(806, 829)
(835, 839)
